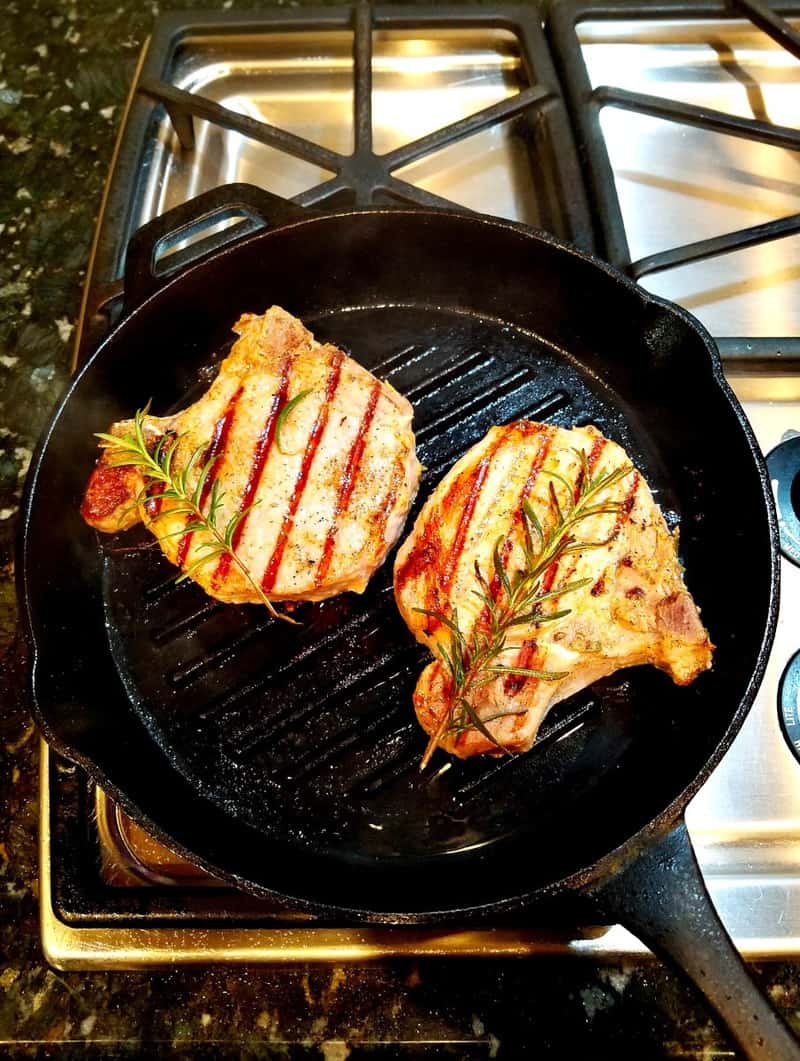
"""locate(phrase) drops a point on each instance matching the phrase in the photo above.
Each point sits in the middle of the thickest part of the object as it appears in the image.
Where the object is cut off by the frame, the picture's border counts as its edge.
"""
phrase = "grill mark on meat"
(429, 547)
(514, 682)
(494, 585)
(525, 658)
(441, 585)
(434, 546)
(550, 575)
(381, 519)
(257, 465)
(426, 549)
(348, 482)
(516, 520)
(462, 530)
(390, 500)
(215, 452)
(317, 431)
(627, 506)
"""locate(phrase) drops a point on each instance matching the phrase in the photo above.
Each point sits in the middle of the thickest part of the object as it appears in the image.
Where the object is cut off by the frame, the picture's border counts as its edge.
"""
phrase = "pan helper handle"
(662, 898)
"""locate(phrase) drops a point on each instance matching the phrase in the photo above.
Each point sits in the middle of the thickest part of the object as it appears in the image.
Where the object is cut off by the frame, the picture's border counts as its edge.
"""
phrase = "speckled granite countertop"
(64, 74)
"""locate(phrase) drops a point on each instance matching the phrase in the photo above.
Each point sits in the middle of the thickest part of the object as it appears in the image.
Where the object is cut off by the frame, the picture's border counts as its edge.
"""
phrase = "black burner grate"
(587, 103)
(362, 177)
(362, 173)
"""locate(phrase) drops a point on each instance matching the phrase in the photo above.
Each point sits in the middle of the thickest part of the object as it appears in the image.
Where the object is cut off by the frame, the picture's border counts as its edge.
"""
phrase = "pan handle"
(662, 898)
(148, 266)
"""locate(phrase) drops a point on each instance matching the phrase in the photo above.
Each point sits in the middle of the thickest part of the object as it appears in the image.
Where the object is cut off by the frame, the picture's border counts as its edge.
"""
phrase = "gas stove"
(657, 135)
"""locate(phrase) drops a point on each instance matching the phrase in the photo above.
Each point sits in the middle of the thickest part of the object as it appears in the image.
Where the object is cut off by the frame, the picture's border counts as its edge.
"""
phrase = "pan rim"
(581, 877)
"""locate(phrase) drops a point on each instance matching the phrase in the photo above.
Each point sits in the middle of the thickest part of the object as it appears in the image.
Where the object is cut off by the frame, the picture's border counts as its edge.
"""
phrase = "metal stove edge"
(113, 947)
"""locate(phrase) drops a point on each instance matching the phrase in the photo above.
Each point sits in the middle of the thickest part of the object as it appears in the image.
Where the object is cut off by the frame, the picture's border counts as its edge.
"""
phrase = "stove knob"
(784, 471)
(789, 703)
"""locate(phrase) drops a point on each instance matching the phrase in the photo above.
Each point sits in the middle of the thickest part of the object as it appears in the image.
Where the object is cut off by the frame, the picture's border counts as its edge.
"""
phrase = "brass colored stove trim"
(117, 947)
(68, 947)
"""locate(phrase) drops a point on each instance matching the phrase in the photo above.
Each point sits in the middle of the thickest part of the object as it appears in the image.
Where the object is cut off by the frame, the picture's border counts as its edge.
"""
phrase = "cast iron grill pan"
(285, 758)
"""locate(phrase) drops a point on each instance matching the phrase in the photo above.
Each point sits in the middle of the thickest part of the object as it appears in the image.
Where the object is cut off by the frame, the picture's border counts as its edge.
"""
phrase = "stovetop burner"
(682, 125)
(784, 468)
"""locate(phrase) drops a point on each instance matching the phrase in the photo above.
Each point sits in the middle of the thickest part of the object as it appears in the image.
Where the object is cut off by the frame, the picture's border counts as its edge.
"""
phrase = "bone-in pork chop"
(325, 481)
(539, 564)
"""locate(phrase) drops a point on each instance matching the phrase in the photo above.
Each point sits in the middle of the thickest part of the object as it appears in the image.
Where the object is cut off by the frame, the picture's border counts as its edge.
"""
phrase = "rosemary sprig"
(472, 659)
(184, 487)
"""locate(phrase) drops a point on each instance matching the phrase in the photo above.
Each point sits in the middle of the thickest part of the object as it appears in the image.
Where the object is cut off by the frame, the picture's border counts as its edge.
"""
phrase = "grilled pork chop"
(333, 475)
(616, 601)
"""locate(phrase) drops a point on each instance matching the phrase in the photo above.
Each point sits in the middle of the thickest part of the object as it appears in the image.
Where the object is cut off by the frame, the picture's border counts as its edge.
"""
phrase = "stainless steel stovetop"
(675, 185)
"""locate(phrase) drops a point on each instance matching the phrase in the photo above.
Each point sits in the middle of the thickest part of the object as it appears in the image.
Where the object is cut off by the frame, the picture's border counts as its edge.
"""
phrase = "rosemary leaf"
(551, 617)
(283, 415)
(461, 728)
(559, 591)
(531, 520)
(454, 665)
(559, 478)
(555, 503)
(528, 672)
(499, 567)
(199, 487)
(481, 580)
(480, 725)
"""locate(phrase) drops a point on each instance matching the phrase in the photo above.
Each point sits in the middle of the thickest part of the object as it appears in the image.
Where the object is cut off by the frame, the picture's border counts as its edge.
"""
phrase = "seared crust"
(634, 609)
(330, 500)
